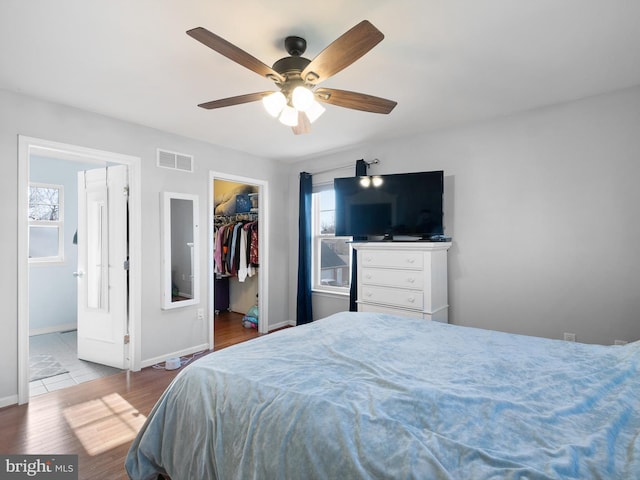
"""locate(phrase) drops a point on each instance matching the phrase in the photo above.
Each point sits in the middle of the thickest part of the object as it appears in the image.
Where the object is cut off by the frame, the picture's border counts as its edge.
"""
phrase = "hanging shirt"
(242, 267)
(217, 250)
(248, 228)
(254, 246)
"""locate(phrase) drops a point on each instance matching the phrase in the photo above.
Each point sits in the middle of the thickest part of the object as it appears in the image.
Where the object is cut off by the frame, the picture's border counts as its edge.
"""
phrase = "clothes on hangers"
(236, 248)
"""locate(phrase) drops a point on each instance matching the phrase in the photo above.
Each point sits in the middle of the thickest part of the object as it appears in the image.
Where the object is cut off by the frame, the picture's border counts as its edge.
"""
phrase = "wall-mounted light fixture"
(374, 180)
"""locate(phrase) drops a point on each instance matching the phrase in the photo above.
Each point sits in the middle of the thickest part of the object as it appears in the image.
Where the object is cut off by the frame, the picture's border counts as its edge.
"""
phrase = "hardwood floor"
(228, 330)
(97, 420)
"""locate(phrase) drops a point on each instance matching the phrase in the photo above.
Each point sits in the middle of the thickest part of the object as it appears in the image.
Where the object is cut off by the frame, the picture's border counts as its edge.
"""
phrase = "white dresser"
(403, 278)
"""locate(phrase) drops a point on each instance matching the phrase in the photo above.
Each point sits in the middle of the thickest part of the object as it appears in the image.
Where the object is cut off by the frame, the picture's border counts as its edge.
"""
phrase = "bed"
(367, 395)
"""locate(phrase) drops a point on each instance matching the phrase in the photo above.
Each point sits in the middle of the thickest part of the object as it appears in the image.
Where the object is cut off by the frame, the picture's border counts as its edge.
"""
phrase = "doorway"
(34, 277)
(235, 200)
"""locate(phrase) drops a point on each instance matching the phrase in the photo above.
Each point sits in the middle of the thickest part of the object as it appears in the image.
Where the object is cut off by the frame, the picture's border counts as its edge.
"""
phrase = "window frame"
(59, 224)
(316, 244)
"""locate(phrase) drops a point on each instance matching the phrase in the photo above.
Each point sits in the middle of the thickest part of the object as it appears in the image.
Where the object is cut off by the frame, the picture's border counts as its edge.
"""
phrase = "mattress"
(368, 395)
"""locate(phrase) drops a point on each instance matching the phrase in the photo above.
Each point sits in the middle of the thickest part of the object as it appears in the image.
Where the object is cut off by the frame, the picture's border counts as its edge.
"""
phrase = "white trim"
(330, 294)
(322, 187)
(165, 202)
(180, 353)
(59, 224)
(65, 327)
(10, 400)
(316, 251)
(286, 323)
(263, 248)
(211, 275)
(24, 144)
(28, 146)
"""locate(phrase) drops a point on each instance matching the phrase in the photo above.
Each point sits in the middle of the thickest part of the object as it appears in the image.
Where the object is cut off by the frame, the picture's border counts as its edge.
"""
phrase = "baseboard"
(10, 400)
(181, 353)
(286, 323)
(56, 328)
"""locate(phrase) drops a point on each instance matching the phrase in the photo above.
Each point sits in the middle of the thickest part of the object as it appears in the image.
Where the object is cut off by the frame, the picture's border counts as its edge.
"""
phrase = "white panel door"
(102, 271)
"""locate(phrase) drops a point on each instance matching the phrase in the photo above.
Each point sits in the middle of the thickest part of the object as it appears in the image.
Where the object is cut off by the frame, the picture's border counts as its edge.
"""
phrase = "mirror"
(180, 279)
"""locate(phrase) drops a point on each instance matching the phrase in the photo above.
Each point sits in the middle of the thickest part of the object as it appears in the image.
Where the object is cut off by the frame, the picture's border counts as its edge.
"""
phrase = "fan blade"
(234, 53)
(342, 52)
(227, 102)
(354, 100)
(304, 125)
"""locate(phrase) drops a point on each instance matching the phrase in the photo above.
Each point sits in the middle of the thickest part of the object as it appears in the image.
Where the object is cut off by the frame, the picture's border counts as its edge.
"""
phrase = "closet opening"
(238, 255)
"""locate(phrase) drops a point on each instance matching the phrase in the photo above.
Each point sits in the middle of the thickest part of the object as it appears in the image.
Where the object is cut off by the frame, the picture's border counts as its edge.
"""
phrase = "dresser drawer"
(393, 278)
(392, 296)
(369, 307)
(391, 259)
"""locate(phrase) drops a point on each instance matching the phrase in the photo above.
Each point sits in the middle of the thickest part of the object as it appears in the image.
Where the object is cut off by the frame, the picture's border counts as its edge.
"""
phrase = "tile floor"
(63, 347)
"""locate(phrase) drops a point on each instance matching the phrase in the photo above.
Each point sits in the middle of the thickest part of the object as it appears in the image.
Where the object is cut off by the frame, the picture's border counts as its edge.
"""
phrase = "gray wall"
(543, 208)
(162, 331)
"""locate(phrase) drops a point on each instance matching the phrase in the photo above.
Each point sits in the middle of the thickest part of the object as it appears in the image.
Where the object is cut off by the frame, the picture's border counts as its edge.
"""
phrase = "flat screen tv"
(390, 206)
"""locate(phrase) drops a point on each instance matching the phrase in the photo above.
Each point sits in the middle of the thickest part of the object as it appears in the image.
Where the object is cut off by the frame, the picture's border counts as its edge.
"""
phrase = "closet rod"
(375, 161)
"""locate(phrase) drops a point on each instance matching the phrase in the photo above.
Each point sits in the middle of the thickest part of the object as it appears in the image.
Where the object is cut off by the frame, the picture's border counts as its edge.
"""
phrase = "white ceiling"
(445, 62)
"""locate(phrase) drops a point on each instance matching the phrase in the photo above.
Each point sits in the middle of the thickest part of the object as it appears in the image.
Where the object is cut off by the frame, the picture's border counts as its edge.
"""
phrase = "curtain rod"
(375, 161)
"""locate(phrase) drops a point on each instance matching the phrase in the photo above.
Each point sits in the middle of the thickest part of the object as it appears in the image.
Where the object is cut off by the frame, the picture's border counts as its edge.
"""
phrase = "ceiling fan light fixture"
(302, 98)
(274, 103)
(314, 111)
(289, 116)
(297, 77)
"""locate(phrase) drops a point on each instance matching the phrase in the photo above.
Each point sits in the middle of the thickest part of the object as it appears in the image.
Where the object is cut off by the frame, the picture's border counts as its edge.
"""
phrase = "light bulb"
(376, 180)
(314, 111)
(301, 98)
(365, 182)
(289, 116)
(274, 103)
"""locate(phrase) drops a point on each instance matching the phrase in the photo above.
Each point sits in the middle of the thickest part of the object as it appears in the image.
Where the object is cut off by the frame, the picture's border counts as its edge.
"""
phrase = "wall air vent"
(175, 161)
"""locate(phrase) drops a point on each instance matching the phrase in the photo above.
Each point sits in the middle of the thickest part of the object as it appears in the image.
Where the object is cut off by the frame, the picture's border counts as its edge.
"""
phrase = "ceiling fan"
(298, 102)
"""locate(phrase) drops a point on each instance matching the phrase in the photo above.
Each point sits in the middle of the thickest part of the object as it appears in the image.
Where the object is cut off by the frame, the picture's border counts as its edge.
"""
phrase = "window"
(45, 223)
(331, 255)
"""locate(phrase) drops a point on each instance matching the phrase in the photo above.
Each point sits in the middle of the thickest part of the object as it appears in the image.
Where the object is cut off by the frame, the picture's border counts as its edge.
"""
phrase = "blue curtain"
(304, 312)
(361, 170)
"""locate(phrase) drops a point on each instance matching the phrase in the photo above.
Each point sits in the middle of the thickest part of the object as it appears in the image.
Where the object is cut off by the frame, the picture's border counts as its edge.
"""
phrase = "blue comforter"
(360, 395)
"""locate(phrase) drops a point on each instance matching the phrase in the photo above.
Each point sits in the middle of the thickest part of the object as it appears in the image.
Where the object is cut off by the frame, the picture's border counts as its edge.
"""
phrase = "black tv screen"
(404, 204)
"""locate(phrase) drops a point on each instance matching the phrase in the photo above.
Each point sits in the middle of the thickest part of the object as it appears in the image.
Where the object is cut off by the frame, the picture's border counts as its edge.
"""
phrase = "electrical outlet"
(620, 342)
(200, 314)
(570, 337)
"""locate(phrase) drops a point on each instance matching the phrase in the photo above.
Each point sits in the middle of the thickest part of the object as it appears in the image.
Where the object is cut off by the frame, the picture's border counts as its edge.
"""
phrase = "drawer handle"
(411, 300)
(369, 276)
(367, 259)
(411, 260)
(411, 280)
(368, 294)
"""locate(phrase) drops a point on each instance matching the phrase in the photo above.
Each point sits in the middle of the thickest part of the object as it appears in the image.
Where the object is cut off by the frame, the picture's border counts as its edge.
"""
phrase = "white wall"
(162, 331)
(543, 208)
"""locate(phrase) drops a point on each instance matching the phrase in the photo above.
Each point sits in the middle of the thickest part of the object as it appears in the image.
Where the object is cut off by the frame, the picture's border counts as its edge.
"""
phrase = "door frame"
(263, 248)
(28, 146)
